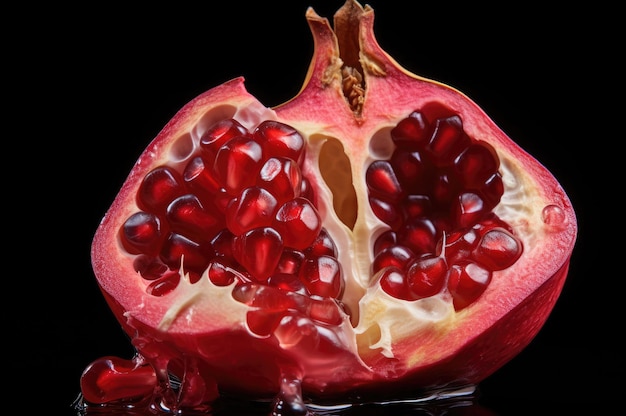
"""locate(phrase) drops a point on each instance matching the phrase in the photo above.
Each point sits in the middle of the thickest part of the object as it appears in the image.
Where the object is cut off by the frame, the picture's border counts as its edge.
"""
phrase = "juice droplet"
(554, 217)
(289, 401)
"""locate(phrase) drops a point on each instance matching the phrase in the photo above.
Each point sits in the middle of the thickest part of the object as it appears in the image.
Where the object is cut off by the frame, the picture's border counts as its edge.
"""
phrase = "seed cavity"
(381, 145)
(335, 168)
(182, 148)
(208, 119)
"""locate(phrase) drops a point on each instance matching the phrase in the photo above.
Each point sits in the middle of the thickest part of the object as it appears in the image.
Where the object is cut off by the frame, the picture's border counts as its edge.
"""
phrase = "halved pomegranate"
(375, 237)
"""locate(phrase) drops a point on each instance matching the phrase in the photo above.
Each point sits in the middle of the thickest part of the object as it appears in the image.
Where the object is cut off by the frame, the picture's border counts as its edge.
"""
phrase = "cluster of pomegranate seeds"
(274, 307)
(242, 211)
(437, 192)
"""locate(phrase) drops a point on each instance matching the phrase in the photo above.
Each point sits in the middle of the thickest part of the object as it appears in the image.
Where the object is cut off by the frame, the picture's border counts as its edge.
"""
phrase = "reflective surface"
(458, 402)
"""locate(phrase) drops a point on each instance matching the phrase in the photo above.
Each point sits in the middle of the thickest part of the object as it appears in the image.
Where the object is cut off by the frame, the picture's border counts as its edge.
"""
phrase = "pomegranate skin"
(201, 330)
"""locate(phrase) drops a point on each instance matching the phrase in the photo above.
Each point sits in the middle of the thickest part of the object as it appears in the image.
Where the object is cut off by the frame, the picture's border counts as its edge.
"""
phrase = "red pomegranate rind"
(481, 352)
(364, 282)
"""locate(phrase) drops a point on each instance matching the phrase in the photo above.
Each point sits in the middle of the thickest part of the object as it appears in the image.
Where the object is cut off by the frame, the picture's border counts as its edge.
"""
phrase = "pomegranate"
(375, 237)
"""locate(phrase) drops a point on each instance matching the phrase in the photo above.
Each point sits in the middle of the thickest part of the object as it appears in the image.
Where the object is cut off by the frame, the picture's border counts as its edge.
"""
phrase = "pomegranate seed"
(247, 293)
(298, 222)
(253, 208)
(323, 245)
(221, 199)
(446, 187)
(448, 140)
(290, 261)
(322, 276)
(416, 206)
(281, 177)
(426, 275)
(459, 245)
(187, 216)
(112, 379)
(492, 190)
(259, 251)
(294, 301)
(306, 191)
(149, 267)
(288, 282)
(280, 140)
(272, 298)
(222, 243)
(385, 240)
(392, 256)
(411, 130)
(193, 255)
(164, 285)
(324, 310)
(382, 181)
(393, 282)
(199, 177)
(419, 235)
(263, 322)
(219, 134)
(469, 209)
(296, 329)
(497, 249)
(477, 164)
(466, 282)
(387, 212)
(237, 164)
(413, 170)
(221, 273)
(158, 188)
(142, 233)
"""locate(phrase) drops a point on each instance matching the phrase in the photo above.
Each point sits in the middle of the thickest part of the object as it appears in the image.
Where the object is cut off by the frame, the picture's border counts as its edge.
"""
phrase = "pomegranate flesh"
(375, 237)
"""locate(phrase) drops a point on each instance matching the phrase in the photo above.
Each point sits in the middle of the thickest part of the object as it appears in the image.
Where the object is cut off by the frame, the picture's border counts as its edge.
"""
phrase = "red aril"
(377, 236)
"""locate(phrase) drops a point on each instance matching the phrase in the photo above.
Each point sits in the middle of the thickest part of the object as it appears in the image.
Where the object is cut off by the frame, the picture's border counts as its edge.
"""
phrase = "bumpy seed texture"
(439, 187)
(243, 210)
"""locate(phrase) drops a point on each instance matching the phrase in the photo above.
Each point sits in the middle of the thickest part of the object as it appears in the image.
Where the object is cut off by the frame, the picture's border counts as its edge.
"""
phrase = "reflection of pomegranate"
(377, 235)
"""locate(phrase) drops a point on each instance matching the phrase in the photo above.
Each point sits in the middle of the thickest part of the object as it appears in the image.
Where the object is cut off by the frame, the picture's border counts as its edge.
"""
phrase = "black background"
(90, 87)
